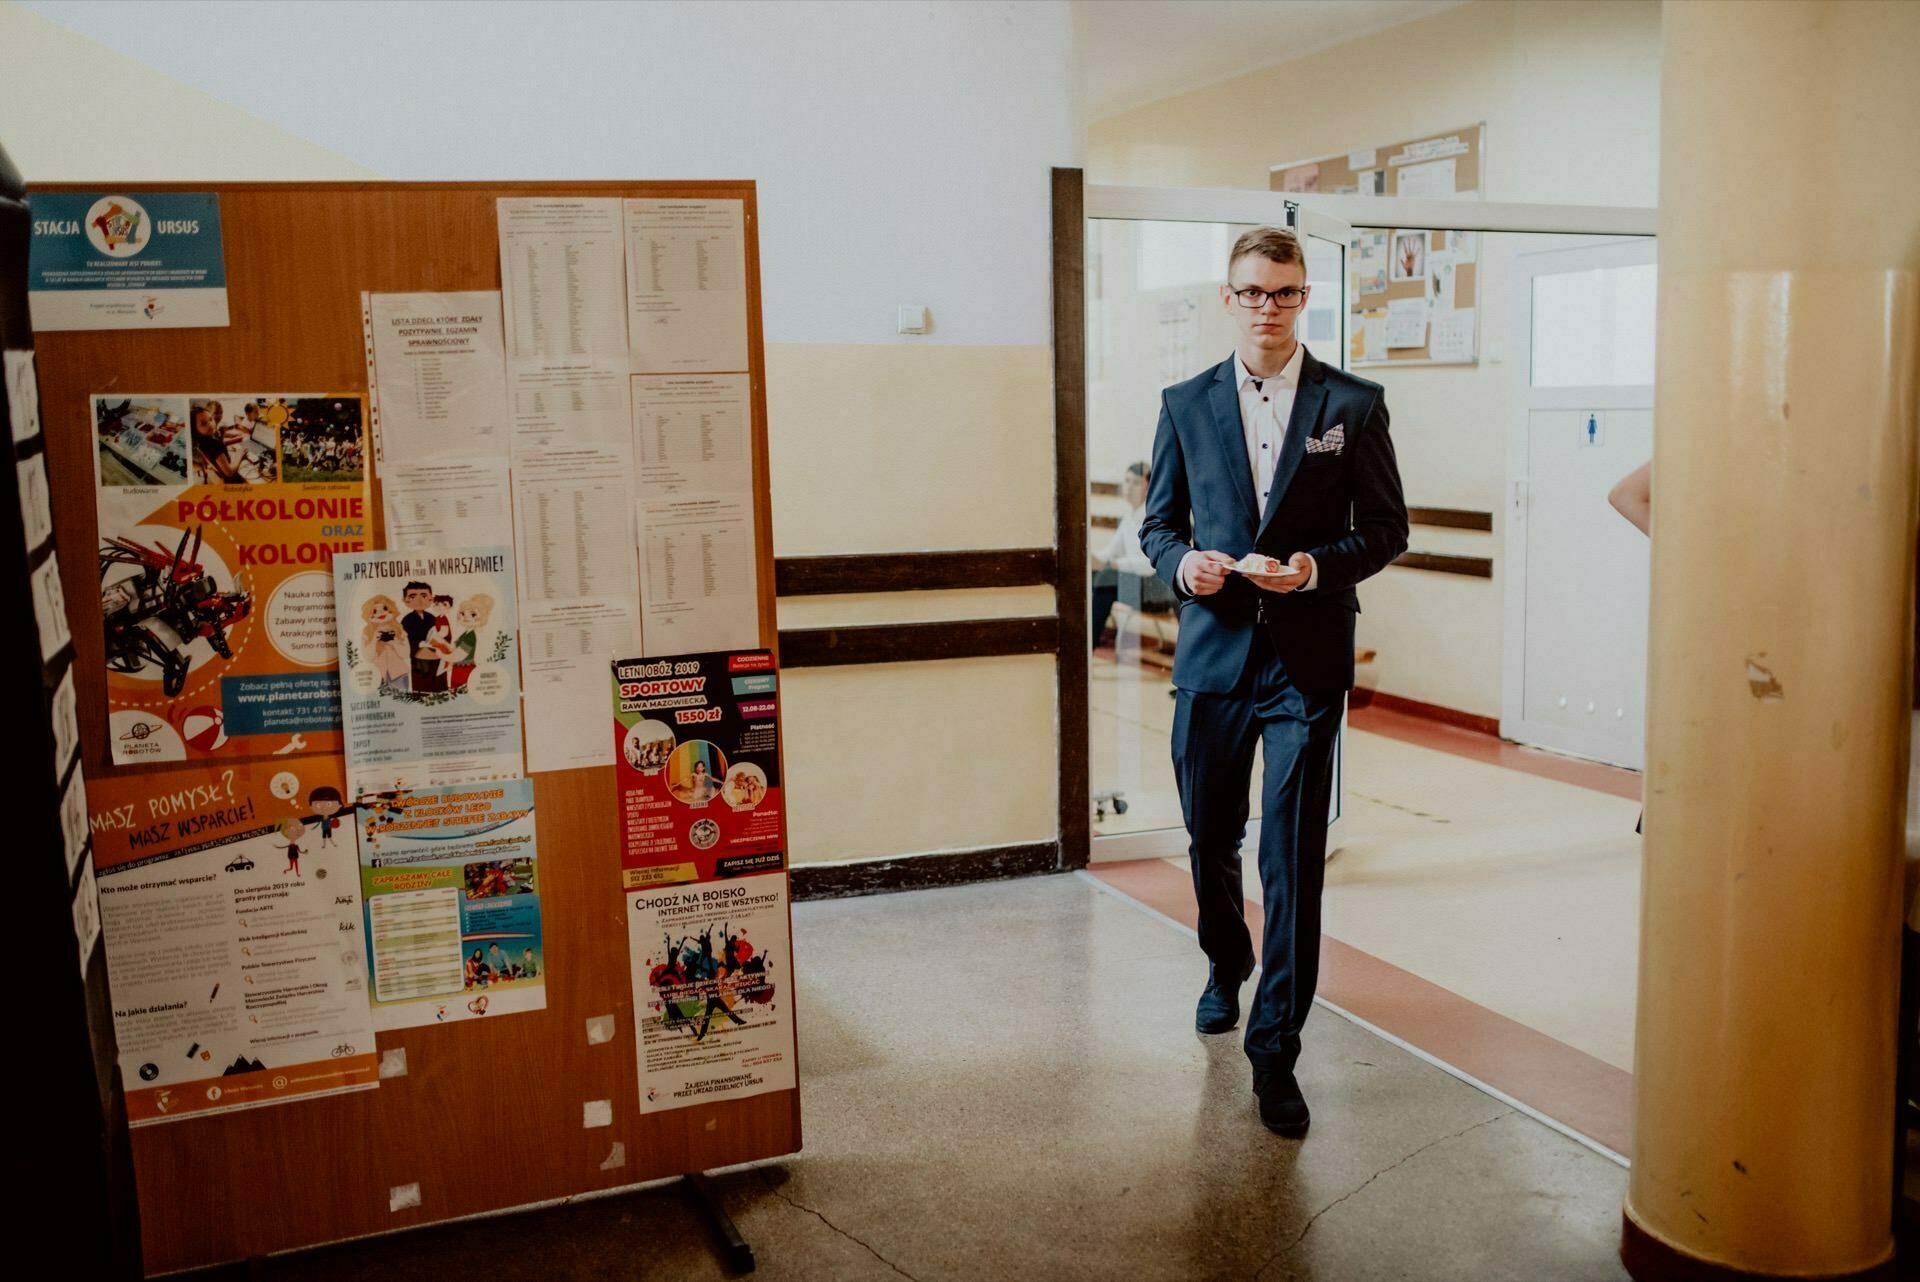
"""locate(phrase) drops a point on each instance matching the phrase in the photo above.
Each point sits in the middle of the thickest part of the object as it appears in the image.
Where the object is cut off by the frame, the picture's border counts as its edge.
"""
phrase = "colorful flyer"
(107, 260)
(697, 742)
(230, 900)
(712, 991)
(219, 518)
(450, 877)
(432, 679)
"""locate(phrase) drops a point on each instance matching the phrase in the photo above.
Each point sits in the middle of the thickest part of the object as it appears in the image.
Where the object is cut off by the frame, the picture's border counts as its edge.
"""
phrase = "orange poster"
(236, 954)
(219, 519)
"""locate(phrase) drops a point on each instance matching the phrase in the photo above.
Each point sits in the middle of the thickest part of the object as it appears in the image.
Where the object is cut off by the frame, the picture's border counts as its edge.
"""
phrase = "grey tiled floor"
(1003, 1082)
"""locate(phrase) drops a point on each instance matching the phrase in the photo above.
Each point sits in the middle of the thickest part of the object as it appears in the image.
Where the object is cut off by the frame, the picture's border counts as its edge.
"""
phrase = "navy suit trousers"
(1213, 741)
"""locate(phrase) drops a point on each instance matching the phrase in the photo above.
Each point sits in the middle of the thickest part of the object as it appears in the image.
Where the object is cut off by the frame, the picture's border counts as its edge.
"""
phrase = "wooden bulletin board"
(1447, 165)
(489, 1113)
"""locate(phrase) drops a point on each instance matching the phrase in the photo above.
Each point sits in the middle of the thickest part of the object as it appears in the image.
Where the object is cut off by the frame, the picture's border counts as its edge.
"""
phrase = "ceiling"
(1140, 50)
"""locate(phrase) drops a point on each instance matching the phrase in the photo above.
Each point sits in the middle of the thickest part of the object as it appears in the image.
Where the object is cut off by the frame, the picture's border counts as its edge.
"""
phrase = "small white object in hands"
(1256, 563)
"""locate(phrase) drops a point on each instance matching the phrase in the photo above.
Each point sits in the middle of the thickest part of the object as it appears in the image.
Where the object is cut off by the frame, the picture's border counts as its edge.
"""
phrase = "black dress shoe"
(1219, 1008)
(1283, 1109)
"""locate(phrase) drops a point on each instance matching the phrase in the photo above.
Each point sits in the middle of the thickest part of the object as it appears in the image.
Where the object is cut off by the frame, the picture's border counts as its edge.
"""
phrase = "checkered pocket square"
(1332, 443)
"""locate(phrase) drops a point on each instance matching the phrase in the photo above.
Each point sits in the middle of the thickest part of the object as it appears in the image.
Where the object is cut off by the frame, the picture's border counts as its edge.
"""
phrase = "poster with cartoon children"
(235, 942)
(430, 676)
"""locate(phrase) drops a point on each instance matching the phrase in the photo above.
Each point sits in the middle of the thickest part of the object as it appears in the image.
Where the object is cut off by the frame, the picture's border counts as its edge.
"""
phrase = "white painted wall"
(901, 148)
(1569, 91)
(56, 132)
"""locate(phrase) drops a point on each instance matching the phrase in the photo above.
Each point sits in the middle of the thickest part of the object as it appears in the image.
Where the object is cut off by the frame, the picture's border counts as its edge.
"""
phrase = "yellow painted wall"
(920, 757)
(889, 447)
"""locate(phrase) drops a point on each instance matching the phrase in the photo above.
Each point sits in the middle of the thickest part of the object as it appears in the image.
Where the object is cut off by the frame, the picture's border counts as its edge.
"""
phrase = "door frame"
(1574, 254)
(1201, 205)
(1373, 213)
(1076, 201)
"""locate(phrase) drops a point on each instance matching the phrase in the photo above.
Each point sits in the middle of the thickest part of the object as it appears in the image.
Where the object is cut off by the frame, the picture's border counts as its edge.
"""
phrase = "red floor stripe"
(1475, 746)
(1472, 744)
(1568, 1085)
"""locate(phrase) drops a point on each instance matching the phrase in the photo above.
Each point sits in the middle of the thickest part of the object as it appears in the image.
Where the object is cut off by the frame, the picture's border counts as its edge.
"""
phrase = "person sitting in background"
(1121, 571)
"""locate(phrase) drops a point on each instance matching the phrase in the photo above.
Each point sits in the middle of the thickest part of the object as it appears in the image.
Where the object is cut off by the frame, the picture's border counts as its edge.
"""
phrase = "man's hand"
(1207, 573)
(1299, 569)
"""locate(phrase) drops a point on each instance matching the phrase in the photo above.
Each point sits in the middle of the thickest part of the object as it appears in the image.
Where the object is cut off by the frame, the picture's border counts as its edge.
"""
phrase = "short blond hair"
(1276, 243)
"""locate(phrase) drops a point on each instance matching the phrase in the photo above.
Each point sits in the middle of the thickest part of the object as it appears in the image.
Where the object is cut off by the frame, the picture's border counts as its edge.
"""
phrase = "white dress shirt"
(1266, 405)
(1122, 551)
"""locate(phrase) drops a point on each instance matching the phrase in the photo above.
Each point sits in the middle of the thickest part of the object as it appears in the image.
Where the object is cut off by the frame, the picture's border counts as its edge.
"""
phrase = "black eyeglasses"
(1287, 296)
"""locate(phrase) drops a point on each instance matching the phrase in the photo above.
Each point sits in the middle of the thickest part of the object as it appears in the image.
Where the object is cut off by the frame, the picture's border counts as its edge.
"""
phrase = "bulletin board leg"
(735, 1253)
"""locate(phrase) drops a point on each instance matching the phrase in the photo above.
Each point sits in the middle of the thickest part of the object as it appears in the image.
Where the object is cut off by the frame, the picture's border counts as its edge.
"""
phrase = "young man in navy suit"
(1272, 452)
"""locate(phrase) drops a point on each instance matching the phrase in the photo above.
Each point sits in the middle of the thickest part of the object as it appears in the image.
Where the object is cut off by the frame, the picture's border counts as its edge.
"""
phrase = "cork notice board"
(489, 1114)
(1385, 269)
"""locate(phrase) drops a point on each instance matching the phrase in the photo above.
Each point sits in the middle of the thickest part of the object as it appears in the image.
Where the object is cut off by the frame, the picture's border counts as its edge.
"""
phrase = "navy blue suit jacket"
(1343, 509)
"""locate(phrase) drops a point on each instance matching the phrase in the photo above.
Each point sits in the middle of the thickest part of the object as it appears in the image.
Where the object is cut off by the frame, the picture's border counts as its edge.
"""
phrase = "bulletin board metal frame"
(1337, 175)
(489, 1113)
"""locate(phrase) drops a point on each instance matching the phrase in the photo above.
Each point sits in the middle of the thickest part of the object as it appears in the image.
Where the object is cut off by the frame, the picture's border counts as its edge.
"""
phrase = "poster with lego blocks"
(219, 518)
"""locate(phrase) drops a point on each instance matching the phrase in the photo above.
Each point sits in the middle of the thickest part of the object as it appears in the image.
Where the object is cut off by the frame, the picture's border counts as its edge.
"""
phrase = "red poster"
(697, 742)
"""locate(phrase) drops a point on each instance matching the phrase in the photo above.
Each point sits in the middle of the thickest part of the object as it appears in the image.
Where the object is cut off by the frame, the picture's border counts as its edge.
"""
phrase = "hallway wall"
(1569, 92)
(875, 190)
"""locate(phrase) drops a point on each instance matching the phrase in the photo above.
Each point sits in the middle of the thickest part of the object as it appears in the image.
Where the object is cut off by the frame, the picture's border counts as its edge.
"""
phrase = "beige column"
(1782, 616)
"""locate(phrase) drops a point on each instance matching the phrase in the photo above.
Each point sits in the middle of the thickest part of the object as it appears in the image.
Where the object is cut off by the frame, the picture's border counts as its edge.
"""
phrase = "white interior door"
(1576, 584)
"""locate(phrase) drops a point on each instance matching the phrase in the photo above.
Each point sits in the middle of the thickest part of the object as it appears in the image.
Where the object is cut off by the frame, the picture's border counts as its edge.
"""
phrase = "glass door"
(1155, 262)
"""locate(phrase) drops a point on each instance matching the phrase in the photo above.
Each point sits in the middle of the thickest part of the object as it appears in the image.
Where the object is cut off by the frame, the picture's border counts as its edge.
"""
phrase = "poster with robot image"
(219, 518)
